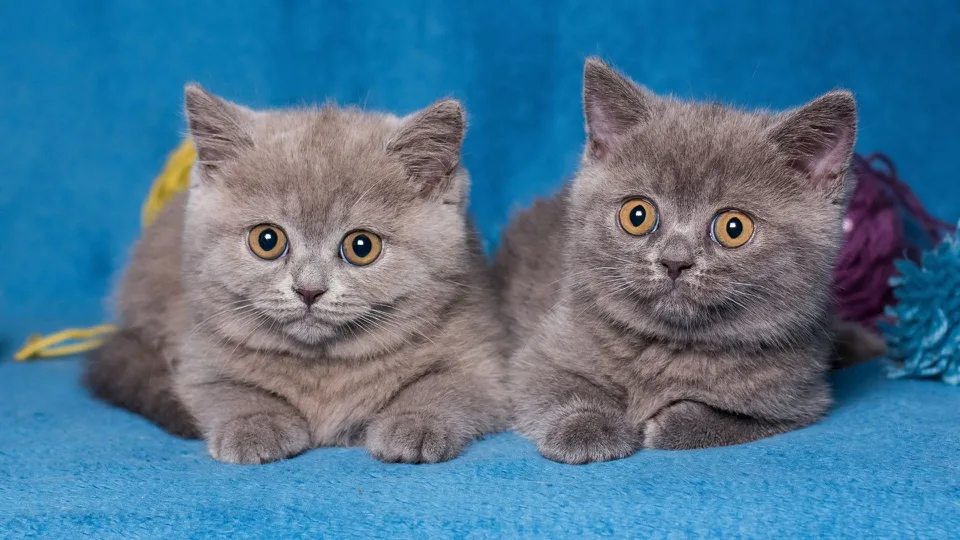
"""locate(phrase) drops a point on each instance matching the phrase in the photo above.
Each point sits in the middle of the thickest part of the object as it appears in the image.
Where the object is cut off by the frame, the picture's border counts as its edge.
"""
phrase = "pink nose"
(309, 296)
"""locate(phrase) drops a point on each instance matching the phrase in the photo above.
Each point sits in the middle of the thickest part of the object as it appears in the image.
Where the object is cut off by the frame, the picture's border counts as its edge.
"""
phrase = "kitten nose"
(309, 296)
(674, 268)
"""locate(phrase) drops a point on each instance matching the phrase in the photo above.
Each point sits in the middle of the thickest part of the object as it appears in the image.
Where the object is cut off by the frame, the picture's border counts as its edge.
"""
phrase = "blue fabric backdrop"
(90, 105)
(90, 97)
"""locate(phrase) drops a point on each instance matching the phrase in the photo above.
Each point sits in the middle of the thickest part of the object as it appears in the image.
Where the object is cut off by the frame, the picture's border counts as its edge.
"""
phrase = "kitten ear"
(818, 138)
(216, 127)
(428, 144)
(612, 106)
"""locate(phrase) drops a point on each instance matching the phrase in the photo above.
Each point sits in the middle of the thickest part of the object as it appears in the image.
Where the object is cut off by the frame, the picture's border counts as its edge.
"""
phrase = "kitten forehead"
(313, 158)
(698, 154)
(695, 139)
(348, 128)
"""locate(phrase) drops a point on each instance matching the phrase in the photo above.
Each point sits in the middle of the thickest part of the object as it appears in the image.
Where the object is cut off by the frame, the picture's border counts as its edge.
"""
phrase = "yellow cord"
(174, 178)
(47, 347)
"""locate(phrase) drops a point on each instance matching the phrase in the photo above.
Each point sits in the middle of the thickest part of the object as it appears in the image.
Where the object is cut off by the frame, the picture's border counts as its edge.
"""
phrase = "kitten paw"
(585, 437)
(666, 430)
(413, 438)
(259, 438)
(688, 425)
(653, 433)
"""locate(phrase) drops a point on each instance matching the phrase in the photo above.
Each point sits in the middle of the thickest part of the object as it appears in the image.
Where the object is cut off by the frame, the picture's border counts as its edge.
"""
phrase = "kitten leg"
(128, 373)
(572, 419)
(245, 425)
(434, 418)
(686, 425)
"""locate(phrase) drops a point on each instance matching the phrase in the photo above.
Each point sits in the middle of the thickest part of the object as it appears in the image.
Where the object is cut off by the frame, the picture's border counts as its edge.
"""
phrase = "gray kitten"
(676, 294)
(319, 285)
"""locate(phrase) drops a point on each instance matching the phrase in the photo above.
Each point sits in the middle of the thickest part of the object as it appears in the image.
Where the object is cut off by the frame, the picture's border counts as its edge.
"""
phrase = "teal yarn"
(924, 335)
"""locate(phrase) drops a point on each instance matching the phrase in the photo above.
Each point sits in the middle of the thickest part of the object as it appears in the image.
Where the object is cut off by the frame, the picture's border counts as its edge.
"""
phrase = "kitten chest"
(337, 400)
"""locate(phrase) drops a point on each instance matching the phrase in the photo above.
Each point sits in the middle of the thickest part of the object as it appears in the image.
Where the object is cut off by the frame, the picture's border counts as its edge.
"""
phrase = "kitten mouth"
(677, 288)
(678, 298)
(329, 318)
(312, 317)
(679, 295)
(312, 326)
(323, 318)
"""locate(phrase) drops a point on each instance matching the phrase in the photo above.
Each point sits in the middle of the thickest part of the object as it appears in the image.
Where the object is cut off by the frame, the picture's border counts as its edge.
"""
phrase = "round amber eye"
(360, 248)
(638, 217)
(267, 242)
(731, 229)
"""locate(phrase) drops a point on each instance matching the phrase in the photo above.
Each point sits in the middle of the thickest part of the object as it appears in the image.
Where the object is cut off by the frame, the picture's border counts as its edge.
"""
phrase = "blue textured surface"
(925, 343)
(884, 464)
(90, 106)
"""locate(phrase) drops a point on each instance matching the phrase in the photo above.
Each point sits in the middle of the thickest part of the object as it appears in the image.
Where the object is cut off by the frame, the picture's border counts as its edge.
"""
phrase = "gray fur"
(611, 355)
(404, 356)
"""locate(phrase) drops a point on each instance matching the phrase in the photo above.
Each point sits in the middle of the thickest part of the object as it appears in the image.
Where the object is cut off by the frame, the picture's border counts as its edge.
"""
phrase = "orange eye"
(731, 229)
(267, 241)
(638, 217)
(360, 248)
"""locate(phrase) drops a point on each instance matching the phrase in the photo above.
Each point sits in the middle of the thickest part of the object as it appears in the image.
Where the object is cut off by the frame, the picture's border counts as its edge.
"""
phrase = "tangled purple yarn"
(875, 237)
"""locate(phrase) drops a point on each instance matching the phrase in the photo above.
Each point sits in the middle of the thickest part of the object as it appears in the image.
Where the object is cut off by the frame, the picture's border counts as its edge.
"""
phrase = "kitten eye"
(360, 248)
(268, 242)
(731, 229)
(638, 217)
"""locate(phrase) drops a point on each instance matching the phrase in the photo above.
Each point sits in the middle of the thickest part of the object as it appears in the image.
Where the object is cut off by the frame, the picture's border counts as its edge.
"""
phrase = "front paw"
(687, 425)
(259, 438)
(585, 437)
(674, 428)
(414, 437)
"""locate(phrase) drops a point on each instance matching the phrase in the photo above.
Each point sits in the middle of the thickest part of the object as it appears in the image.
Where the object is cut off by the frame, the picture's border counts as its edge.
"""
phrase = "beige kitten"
(319, 285)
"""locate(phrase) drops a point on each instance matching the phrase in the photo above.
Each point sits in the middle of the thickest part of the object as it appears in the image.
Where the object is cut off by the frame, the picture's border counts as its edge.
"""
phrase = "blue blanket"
(883, 464)
(90, 104)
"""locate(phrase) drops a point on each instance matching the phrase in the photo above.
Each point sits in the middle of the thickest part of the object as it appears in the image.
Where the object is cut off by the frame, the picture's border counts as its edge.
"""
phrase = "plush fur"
(404, 355)
(670, 340)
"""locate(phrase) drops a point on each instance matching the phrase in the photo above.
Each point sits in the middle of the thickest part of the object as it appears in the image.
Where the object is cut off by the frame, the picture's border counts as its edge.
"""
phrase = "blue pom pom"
(925, 341)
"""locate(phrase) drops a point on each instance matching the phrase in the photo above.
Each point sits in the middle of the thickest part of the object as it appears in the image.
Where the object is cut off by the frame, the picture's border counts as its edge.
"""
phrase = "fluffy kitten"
(676, 294)
(319, 285)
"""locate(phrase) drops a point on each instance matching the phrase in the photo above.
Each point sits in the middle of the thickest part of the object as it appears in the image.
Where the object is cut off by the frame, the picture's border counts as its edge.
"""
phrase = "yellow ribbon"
(174, 178)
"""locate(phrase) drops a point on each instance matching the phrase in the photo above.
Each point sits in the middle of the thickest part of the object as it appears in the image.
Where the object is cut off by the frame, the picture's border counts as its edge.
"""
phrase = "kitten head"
(701, 222)
(322, 223)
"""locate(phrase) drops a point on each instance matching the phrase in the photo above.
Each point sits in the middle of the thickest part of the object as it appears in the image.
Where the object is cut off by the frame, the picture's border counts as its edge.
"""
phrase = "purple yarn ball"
(874, 238)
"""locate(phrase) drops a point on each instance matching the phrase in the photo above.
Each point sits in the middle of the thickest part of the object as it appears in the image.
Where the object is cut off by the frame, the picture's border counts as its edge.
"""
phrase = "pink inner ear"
(832, 159)
(602, 132)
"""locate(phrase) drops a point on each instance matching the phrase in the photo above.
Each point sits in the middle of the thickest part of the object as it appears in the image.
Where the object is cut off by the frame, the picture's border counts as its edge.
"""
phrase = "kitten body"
(268, 358)
(670, 340)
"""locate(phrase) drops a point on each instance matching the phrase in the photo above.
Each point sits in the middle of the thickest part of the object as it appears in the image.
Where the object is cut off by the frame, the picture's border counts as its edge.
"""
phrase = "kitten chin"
(285, 302)
(310, 331)
(694, 250)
